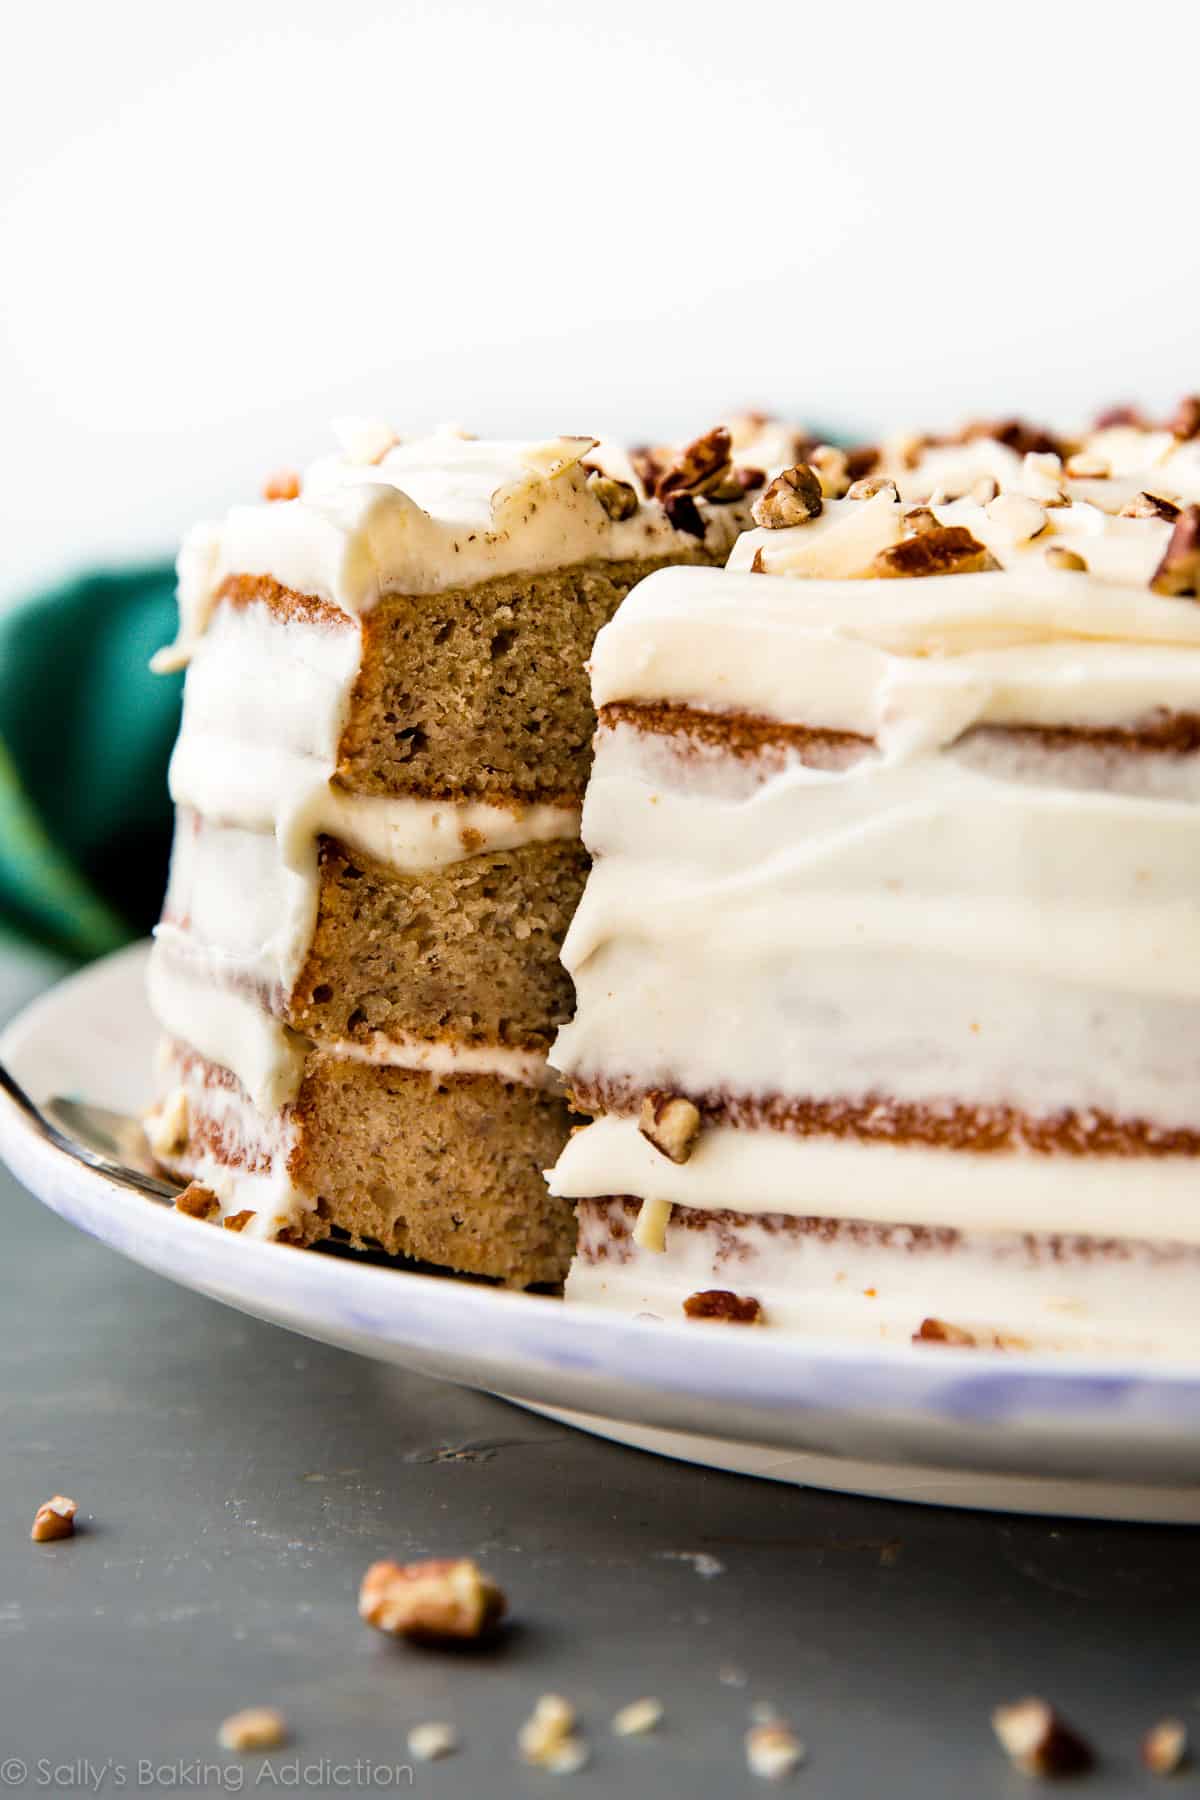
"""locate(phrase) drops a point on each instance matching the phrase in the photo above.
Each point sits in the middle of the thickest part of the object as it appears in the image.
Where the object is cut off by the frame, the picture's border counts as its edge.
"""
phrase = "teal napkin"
(85, 736)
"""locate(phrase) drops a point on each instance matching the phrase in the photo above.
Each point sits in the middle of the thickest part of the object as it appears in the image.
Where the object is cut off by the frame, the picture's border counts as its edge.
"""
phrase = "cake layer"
(444, 1167)
(483, 692)
(857, 1278)
(845, 1177)
(468, 952)
(1007, 925)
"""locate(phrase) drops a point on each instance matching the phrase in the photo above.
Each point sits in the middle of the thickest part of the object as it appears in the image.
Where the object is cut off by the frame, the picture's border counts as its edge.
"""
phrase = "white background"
(223, 224)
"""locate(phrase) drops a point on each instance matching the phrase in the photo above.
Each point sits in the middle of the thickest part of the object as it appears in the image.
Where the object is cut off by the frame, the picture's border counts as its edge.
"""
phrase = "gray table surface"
(236, 1480)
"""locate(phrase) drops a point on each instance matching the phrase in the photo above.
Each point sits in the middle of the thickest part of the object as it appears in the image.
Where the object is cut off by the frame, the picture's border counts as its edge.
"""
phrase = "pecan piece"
(1149, 506)
(792, 498)
(284, 484)
(944, 550)
(1185, 420)
(439, 1601)
(618, 498)
(54, 1519)
(704, 460)
(1038, 1741)
(684, 514)
(937, 1331)
(257, 1728)
(719, 1303)
(867, 486)
(671, 1123)
(919, 519)
(833, 470)
(1179, 570)
(1164, 1747)
(197, 1201)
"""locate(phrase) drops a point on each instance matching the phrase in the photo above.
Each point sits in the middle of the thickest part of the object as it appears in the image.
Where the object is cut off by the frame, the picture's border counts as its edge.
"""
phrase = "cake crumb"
(638, 1717)
(255, 1728)
(1165, 1746)
(167, 1126)
(773, 1750)
(438, 1601)
(432, 1740)
(1037, 1741)
(548, 1738)
(54, 1519)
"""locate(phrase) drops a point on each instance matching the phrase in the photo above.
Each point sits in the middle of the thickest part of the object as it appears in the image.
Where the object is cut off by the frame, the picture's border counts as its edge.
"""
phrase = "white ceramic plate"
(959, 1427)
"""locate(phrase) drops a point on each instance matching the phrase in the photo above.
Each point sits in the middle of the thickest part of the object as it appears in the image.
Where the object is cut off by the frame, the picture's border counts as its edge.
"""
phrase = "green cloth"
(85, 736)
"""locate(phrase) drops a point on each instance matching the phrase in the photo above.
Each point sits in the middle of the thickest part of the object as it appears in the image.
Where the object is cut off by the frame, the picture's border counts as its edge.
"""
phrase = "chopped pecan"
(648, 464)
(257, 1728)
(918, 520)
(1179, 570)
(238, 1221)
(867, 486)
(1017, 434)
(284, 484)
(719, 1303)
(945, 550)
(861, 460)
(1149, 506)
(197, 1201)
(1185, 420)
(618, 498)
(1118, 415)
(1164, 1747)
(773, 1750)
(792, 498)
(684, 514)
(671, 1123)
(734, 484)
(1038, 1741)
(937, 1331)
(436, 1601)
(702, 461)
(833, 470)
(54, 1519)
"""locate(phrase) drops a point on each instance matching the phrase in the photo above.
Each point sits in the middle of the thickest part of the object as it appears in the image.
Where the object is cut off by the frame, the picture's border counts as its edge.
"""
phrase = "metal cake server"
(110, 1142)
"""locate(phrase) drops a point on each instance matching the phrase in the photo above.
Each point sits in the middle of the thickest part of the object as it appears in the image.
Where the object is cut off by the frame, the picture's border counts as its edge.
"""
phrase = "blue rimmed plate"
(1064, 1434)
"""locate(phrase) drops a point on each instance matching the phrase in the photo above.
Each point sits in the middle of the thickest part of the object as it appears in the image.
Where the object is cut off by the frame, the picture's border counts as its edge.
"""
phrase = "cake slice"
(385, 741)
(888, 968)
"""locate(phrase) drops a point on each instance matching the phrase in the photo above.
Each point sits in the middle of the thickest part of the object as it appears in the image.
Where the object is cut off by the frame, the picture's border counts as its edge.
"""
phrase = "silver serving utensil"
(110, 1142)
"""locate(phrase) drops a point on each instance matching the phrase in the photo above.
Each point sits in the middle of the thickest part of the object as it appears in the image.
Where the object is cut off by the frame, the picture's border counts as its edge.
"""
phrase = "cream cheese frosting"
(428, 515)
(957, 914)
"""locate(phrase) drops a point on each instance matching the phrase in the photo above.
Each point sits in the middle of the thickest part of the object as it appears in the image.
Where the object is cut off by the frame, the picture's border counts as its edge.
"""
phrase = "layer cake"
(385, 740)
(888, 967)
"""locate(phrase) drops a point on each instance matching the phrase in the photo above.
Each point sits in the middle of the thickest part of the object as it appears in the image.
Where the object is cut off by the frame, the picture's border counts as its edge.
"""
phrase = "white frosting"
(436, 513)
(1136, 460)
(252, 1174)
(443, 1057)
(252, 777)
(849, 1286)
(948, 915)
(903, 1184)
(227, 1027)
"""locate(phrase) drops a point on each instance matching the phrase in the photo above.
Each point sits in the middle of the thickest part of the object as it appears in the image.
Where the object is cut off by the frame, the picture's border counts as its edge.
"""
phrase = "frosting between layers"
(757, 1172)
(821, 1276)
